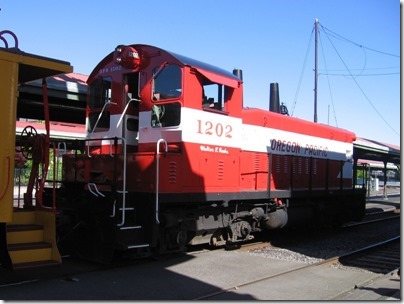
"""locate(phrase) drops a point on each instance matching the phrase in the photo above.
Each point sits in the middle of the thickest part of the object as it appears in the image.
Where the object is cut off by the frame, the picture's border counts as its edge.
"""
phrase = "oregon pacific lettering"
(296, 148)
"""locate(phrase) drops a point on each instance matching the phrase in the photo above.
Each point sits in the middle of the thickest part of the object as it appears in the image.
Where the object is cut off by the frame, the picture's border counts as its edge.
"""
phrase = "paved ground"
(193, 276)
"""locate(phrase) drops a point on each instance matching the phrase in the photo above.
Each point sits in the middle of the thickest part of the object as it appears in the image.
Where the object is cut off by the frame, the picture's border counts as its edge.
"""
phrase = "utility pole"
(315, 69)
(328, 115)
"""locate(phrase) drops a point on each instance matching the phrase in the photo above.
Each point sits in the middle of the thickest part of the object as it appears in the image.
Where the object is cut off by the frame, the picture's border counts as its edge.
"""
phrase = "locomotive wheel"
(171, 240)
(28, 135)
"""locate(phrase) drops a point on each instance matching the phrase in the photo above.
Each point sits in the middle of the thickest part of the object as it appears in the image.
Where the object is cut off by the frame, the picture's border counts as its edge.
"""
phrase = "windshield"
(167, 82)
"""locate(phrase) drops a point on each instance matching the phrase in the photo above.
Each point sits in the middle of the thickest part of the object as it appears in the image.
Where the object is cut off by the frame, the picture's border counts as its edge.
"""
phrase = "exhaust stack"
(274, 104)
(238, 73)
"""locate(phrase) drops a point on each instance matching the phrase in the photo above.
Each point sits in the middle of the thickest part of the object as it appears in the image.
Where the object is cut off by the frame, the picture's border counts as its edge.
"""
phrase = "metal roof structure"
(67, 95)
(378, 151)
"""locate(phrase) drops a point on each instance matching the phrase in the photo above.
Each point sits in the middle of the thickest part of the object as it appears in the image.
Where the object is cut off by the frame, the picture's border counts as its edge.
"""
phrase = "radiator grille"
(220, 170)
(172, 172)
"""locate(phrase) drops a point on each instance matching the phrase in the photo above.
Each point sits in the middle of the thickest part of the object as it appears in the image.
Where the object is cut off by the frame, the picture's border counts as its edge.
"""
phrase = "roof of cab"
(213, 73)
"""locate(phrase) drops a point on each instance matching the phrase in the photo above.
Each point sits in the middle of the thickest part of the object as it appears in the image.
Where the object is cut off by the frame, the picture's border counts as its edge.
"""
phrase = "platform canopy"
(67, 94)
(378, 151)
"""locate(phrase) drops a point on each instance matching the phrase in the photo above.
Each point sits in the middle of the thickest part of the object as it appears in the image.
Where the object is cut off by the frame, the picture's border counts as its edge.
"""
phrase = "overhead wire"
(357, 84)
(329, 72)
(379, 68)
(361, 75)
(301, 73)
(331, 33)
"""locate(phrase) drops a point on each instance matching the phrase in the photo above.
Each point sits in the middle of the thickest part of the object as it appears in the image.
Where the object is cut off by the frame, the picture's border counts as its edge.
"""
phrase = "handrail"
(102, 111)
(5, 41)
(55, 167)
(42, 142)
(94, 192)
(113, 209)
(124, 164)
(97, 193)
(60, 152)
(161, 140)
(124, 183)
(118, 123)
(108, 103)
(124, 111)
(19, 184)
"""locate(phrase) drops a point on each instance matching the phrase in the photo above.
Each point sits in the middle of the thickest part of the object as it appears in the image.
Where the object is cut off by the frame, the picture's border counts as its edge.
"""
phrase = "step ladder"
(136, 231)
(31, 239)
(130, 233)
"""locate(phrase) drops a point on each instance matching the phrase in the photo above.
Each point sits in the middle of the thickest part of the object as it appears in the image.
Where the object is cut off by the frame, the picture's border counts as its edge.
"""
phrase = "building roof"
(374, 150)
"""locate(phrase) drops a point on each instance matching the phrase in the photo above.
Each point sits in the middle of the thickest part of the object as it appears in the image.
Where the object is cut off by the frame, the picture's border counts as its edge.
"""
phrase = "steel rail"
(324, 262)
(371, 221)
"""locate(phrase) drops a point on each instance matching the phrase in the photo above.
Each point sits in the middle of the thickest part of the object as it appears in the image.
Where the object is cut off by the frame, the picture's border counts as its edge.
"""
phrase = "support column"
(385, 180)
(355, 171)
(369, 180)
(8, 110)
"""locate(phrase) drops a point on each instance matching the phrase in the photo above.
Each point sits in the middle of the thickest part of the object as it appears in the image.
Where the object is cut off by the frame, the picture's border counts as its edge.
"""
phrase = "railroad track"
(366, 222)
(382, 257)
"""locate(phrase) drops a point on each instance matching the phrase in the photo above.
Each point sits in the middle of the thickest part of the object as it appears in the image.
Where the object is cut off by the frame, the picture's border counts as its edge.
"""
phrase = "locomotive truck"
(172, 158)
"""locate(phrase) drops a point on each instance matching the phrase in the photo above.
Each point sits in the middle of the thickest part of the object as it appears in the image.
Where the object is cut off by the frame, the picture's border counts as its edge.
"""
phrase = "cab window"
(212, 96)
(99, 97)
(98, 121)
(215, 95)
(167, 82)
(99, 92)
(166, 115)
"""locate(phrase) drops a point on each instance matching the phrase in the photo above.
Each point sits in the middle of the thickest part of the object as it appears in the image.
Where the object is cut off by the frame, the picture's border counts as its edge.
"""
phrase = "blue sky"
(359, 48)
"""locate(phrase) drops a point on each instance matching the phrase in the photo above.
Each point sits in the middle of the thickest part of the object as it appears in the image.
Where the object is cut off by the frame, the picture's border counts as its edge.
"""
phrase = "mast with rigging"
(315, 69)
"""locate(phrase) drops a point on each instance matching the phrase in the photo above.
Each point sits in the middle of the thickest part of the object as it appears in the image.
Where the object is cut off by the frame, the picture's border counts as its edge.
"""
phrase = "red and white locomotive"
(172, 158)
